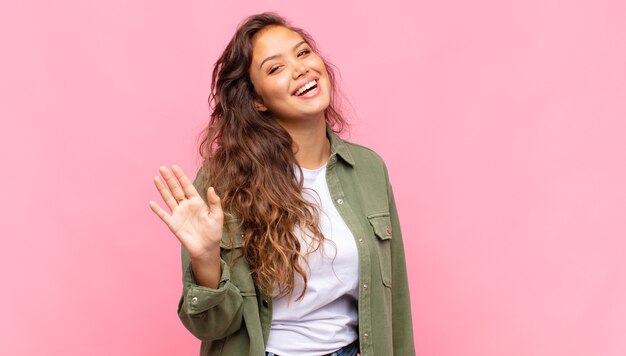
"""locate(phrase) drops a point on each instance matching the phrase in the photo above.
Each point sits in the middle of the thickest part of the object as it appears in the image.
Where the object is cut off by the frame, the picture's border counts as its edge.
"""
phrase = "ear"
(259, 105)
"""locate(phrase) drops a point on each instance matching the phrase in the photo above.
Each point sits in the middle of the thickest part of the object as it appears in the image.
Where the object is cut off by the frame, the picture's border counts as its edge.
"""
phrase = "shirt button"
(194, 300)
(365, 286)
(339, 201)
(332, 159)
(366, 335)
(360, 239)
(265, 303)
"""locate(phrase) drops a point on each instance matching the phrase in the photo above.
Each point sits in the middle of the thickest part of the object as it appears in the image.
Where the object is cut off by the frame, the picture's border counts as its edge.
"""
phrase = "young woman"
(302, 254)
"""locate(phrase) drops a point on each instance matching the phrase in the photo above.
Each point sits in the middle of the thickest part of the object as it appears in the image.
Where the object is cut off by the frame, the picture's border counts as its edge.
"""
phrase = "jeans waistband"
(348, 350)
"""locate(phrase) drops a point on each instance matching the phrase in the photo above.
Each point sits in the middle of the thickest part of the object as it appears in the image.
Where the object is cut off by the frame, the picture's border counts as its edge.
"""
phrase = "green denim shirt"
(235, 319)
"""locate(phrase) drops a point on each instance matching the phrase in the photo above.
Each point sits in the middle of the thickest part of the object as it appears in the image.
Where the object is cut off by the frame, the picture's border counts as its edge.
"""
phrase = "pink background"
(502, 123)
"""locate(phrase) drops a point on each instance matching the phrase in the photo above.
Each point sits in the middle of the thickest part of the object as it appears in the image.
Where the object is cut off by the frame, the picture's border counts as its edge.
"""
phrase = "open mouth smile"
(306, 88)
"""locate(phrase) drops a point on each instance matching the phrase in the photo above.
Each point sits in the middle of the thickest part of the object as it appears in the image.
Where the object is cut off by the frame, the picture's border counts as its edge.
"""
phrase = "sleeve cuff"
(198, 299)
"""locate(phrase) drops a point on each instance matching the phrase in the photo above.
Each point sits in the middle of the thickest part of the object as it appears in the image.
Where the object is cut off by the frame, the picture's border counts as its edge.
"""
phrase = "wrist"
(208, 257)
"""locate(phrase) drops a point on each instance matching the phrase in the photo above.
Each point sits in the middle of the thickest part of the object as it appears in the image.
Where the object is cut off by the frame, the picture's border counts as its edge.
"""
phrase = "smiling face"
(290, 79)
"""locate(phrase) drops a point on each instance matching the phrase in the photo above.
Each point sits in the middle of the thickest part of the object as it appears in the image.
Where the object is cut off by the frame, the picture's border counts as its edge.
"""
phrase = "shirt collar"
(339, 146)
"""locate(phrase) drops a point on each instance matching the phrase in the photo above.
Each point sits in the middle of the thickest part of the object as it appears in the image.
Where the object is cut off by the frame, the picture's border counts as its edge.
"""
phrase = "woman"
(302, 254)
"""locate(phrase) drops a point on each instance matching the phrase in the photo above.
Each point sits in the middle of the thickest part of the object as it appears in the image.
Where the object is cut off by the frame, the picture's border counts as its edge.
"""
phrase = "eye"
(304, 52)
(273, 69)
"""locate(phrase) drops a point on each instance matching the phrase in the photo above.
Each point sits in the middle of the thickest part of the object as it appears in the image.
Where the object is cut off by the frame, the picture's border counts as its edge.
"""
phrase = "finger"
(165, 193)
(160, 212)
(172, 183)
(188, 188)
(215, 203)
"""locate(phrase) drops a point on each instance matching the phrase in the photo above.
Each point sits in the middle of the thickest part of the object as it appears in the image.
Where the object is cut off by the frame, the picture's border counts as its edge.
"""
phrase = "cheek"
(318, 64)
(275, 89)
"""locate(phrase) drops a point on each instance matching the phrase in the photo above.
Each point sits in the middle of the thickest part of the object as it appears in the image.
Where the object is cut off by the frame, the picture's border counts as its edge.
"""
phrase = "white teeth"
(305, 87)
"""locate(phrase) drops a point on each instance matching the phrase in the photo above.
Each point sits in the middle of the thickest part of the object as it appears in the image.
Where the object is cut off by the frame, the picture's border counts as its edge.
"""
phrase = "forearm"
(207, 270)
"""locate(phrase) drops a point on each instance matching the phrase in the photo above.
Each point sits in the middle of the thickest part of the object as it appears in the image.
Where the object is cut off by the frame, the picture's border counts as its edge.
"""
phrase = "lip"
(310, 94)
(302, 83)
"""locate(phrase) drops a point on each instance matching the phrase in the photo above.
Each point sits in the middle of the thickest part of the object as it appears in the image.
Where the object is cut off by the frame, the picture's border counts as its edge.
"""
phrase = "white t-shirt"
(326, 318)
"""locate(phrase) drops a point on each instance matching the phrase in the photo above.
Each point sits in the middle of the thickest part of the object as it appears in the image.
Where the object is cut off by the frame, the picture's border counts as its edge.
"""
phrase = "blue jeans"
(350, 350)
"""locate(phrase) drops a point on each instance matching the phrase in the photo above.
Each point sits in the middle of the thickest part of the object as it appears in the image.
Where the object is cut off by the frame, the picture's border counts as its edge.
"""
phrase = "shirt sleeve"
(401, 308)
(198, 299)
(209, 314)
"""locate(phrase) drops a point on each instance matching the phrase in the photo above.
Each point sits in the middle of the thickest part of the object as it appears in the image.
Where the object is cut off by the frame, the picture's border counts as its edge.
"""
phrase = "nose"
(299, 69)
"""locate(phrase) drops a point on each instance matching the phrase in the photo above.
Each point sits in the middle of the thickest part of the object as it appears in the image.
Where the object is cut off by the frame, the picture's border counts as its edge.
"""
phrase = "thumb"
(215, 203)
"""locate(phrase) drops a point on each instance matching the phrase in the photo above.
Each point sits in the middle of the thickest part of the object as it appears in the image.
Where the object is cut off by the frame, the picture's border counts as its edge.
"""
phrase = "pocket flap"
(382, 225)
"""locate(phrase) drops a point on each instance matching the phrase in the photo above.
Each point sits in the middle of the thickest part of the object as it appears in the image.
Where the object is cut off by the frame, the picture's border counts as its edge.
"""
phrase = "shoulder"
(365, 165)
(364, 156)
(363, 151)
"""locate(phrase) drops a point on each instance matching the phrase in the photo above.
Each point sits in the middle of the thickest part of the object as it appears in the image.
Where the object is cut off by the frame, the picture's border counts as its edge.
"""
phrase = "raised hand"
(197, 226)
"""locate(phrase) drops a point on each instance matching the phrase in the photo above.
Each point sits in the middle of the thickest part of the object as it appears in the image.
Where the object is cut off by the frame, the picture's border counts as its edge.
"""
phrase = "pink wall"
(503, 125)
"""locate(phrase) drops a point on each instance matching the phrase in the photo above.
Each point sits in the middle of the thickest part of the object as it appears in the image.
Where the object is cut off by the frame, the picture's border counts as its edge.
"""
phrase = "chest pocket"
(381, 223)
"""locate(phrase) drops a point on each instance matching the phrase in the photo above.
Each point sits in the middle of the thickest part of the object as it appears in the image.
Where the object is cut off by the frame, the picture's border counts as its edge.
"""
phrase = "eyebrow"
(278, 55)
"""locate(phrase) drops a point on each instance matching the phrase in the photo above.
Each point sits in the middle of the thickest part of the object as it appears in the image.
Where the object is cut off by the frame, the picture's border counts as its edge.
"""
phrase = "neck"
(311, 146)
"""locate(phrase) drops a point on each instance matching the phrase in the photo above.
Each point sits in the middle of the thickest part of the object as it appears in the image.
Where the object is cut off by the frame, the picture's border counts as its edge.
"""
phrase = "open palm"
(197, 226)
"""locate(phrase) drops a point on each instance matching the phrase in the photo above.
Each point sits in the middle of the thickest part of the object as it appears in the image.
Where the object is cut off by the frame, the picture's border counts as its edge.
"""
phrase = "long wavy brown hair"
(249, 160)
